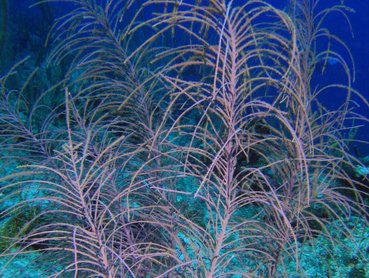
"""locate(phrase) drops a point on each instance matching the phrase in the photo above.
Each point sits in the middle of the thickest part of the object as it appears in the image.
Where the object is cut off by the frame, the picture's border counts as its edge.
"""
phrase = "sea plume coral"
(192, 142)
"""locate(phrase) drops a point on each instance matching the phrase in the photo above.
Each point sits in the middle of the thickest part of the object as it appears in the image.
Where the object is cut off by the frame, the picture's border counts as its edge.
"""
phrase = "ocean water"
(133, 152)
(31, 25)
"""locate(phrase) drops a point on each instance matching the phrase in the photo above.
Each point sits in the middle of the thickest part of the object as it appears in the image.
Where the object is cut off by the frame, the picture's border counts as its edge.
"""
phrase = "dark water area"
(28, 27)
(359, 46)
(356, 37)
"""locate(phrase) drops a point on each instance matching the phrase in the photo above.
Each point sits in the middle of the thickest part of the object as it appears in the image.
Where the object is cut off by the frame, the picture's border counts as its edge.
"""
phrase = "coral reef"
(185, 139)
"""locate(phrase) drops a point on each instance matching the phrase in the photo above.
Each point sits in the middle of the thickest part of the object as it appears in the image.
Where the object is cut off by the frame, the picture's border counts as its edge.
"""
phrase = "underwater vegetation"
(168, 138)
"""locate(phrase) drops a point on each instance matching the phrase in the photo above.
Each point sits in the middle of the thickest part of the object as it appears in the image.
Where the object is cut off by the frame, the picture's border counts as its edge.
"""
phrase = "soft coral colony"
(184, 139)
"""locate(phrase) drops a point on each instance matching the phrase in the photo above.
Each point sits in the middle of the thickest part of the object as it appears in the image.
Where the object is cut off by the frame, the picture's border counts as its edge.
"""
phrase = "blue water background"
(32, 24)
